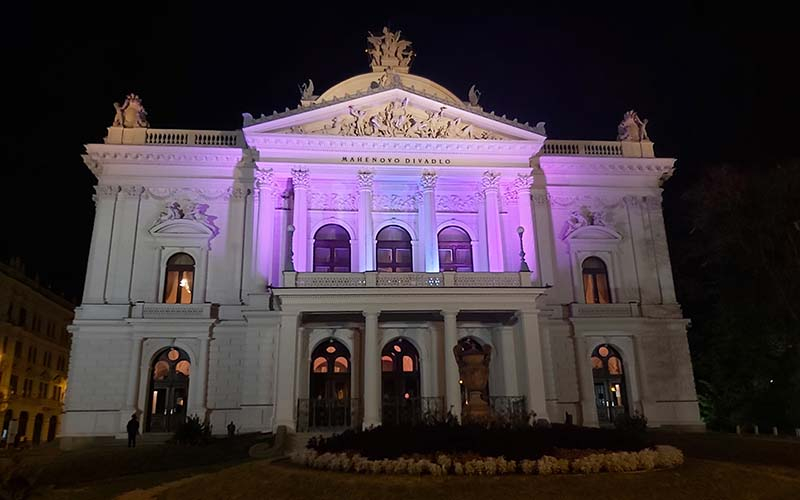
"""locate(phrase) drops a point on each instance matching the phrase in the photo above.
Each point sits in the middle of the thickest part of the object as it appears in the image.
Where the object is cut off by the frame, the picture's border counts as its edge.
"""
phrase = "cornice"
(566, 165)
(164, 155)
(353, 145)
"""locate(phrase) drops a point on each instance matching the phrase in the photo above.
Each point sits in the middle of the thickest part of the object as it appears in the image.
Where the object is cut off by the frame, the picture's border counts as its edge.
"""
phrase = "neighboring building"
(34, 355)
(318, 266)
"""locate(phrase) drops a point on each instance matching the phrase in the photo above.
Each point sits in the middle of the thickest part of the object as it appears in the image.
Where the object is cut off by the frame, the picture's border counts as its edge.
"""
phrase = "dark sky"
(714, 82)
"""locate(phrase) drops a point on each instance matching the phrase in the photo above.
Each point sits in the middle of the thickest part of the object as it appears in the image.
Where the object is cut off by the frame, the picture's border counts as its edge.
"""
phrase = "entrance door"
(609, 384)
(51, 429)
(329, 390)
(169, 390)
(400, 383)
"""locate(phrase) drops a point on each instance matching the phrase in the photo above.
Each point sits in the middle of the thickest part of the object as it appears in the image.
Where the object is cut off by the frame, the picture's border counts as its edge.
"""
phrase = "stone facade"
(34, 358)
(428, 162)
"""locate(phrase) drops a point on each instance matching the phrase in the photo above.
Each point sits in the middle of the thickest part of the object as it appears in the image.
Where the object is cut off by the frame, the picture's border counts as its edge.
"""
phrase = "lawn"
(717, 467)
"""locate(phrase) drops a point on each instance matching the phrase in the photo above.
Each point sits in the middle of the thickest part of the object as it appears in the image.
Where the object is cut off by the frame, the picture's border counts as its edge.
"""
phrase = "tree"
(738, 275)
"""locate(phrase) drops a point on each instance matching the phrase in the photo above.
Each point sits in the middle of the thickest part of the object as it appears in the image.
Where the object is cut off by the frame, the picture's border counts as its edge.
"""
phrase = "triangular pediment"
(395, 113)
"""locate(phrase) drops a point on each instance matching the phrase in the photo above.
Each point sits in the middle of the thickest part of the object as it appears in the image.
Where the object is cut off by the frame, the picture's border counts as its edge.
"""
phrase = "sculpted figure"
(388, 50)
(632, 128)
(306, 90)
(474, 95)
(131, 114)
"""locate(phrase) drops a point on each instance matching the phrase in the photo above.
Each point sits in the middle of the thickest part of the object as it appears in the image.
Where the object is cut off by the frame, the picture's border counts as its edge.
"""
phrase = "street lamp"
(523, 266)
(290, 264)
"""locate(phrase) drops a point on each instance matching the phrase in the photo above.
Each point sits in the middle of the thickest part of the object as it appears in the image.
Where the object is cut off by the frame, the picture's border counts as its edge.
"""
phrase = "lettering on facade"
(383, 160)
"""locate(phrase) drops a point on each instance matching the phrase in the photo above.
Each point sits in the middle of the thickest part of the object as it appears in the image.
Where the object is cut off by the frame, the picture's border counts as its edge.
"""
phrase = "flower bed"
(658, 457)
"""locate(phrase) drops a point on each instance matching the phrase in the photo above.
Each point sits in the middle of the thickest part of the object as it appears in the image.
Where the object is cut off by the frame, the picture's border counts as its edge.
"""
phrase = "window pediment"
(589, 233)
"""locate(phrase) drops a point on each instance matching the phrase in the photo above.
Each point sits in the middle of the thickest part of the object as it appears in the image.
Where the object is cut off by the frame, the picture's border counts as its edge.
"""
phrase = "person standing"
(133, 431)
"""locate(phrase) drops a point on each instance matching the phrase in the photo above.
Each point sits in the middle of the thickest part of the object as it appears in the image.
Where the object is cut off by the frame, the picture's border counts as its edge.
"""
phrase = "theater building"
(317, 268)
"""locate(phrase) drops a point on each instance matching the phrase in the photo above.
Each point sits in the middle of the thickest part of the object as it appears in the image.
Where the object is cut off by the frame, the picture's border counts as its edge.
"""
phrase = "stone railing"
(173, 311)
(627, 310)
(174, 137)
(405, 280)
(598, 148)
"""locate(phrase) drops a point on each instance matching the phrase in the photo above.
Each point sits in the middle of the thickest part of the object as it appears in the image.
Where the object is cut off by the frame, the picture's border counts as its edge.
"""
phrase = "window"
(43, 390)
(595, 281)
(47, 359)
(31, 354)
(331, 249)
(5, 344)
(12, 385)
(56, 393)
(394, 250)
(27, 388)
(18, 349)
(23, 317)
(455, 250)
(179, 280)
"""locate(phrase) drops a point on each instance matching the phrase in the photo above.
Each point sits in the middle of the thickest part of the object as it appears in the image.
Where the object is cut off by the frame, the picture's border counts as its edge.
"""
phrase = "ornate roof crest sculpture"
(131, 114)
(306, 90)
(189, 211)
(474, 96)
(389, 52)
(582, 218)
(632, 128)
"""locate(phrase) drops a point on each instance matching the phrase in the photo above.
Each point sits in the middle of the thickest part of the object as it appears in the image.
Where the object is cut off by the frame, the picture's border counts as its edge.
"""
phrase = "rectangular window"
(18, 349)
(5, 344)
(42, 390)
(12, 385)
(23, 317)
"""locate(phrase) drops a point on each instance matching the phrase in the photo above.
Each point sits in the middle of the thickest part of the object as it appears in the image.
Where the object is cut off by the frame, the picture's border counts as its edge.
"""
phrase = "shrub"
(631, 423)
(193, 432)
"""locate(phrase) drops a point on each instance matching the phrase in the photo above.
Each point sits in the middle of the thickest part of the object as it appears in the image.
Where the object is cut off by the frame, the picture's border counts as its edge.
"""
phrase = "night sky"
(714, 84)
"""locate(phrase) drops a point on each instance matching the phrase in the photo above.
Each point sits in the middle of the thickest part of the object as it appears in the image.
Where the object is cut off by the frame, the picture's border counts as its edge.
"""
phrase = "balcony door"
(393, 250)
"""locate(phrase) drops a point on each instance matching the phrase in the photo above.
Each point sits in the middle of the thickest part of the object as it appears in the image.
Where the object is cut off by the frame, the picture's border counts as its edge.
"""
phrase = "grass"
(718, 466)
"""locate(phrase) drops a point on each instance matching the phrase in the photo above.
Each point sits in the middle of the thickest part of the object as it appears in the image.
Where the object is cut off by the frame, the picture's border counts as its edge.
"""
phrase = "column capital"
(523, 182)
(490, 181)
(265, 180)
(428, 180)
(450, 311)
(365, 179)
(131, 191)
(300, 178)
(371, 312)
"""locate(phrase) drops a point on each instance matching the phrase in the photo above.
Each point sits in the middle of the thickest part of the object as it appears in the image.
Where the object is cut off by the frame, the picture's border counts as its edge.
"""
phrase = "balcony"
(146, 310)
(627, 149)
(406, 280)
(175, 137)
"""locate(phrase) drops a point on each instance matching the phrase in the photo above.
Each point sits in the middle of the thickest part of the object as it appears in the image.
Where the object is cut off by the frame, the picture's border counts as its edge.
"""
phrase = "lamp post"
(523, 266)
(290, 264)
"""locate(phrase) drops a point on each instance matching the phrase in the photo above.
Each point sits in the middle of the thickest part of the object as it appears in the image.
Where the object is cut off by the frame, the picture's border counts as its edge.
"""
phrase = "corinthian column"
(264, 251)
(427, 219)
(523, 184)
(300, 182)
(494, 238)
(366, 250)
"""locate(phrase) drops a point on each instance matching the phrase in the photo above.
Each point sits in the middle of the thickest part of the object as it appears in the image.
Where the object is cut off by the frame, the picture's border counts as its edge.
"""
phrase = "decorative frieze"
(347, 202)
(105, 191)
(131, 191)
(395, 203)
(205, 194)
(458, 203)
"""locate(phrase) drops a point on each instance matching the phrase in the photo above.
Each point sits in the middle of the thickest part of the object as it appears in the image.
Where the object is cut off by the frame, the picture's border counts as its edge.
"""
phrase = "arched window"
(595, 281)
(180, 279)
(455, 250)
(400, 382)
(330, 371)
(331, 249)
(394, 250)
(609, 383)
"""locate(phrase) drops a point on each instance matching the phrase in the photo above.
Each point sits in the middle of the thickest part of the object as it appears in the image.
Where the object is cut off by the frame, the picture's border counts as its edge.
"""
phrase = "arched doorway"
(38, 422)
(393, 250)
(51, 428)
(610, 394)
(400, 383)
(169, 390)
(332, 249)
(329, 386)
(455, 250)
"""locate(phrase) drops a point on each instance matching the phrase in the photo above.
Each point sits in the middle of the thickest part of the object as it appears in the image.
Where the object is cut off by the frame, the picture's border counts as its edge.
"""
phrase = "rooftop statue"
(306, 90)
(131, 114)
(632, 128)
(389, 51)
(474, 96)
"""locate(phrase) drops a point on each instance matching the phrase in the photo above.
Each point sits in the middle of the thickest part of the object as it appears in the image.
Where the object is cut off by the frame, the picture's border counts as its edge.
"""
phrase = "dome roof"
(370, 81)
